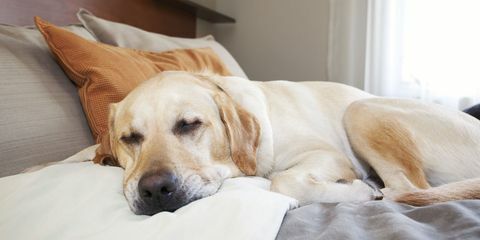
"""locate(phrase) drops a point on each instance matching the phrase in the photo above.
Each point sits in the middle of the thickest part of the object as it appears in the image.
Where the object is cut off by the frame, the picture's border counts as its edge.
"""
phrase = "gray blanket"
(383, 220)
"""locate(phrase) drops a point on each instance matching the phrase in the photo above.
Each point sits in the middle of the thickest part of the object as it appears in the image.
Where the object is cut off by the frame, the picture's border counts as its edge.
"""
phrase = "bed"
(42, 120)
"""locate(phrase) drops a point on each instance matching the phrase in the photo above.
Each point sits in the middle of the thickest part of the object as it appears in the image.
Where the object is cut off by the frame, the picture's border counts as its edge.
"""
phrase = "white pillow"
(123, 35)
(85, 201)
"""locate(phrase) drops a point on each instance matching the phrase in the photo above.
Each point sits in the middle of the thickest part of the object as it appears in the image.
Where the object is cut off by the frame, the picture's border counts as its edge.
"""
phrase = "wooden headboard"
(152, 15)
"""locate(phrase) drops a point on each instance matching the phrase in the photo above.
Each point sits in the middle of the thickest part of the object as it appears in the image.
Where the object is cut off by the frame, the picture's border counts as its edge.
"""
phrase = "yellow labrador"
(180, 135)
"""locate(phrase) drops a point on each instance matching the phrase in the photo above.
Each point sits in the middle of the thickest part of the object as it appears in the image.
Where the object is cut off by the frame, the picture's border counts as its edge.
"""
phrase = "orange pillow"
(105, 74)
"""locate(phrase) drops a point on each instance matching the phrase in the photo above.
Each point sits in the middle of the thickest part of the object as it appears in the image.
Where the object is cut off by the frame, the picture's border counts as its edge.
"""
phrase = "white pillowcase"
(85, 201)
(123, 35)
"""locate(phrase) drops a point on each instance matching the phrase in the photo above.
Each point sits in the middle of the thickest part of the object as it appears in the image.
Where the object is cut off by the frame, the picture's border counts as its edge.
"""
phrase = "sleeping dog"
(179, 135)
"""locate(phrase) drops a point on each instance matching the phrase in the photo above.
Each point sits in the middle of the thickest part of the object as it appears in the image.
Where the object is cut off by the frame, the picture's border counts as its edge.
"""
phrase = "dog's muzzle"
(159, 191)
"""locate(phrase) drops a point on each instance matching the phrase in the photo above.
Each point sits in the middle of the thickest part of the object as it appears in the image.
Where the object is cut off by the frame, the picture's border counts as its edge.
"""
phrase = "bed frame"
(152, 15)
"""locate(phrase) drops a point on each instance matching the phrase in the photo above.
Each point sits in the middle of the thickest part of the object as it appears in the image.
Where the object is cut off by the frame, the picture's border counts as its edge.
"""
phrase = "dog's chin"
(139, 207)
(143, 209)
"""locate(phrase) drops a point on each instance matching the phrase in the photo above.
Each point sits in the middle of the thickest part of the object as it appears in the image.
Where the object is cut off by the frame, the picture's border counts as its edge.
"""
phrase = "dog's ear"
(243, 132)
(104, 154)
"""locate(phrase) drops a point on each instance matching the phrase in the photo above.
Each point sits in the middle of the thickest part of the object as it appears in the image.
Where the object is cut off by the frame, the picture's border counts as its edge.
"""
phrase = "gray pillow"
(122, 35)
(41, 119)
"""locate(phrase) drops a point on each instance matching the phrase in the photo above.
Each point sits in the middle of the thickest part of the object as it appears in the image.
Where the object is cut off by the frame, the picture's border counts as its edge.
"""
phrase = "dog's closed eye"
(132, 138)
(184, 126)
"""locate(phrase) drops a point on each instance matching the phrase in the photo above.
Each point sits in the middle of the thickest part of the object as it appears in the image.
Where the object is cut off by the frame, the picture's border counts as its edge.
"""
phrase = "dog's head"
(178, 136)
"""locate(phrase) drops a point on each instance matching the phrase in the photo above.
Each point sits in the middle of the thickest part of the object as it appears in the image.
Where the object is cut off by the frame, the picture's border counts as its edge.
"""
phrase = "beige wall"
(347, 42)
(275, 39)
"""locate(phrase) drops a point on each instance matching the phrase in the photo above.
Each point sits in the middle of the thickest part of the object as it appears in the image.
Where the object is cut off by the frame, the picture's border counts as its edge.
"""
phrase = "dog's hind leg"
(408, 142)
(388, 146)
(322, 176)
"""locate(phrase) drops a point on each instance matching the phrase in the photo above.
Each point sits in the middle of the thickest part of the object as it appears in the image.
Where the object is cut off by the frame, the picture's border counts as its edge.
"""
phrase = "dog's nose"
(157, 191)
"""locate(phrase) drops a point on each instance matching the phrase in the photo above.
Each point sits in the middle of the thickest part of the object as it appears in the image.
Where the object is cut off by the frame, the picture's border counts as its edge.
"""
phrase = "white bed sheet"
(85, 201)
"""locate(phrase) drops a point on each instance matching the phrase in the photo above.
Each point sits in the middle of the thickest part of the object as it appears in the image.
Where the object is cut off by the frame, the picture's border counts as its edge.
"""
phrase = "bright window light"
(441, 51)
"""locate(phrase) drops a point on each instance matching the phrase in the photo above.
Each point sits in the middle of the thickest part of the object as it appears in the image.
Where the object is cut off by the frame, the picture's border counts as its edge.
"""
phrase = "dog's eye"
(184, 126)
(132, 138)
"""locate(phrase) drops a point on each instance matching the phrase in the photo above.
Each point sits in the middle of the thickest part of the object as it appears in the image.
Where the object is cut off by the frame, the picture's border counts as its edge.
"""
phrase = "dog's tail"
(467, 189)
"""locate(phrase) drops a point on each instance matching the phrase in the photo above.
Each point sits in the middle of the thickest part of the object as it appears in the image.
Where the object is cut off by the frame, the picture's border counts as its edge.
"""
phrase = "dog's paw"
(362, 191)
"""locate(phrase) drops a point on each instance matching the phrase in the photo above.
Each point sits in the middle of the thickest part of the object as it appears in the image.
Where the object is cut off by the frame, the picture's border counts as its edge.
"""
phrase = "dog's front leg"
(322, 176)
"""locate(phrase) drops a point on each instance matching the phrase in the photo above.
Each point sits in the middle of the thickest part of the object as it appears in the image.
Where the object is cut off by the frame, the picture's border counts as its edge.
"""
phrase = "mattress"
(383, 220)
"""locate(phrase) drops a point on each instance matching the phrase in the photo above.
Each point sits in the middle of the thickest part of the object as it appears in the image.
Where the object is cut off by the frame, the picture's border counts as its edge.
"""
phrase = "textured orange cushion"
(105, 74)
